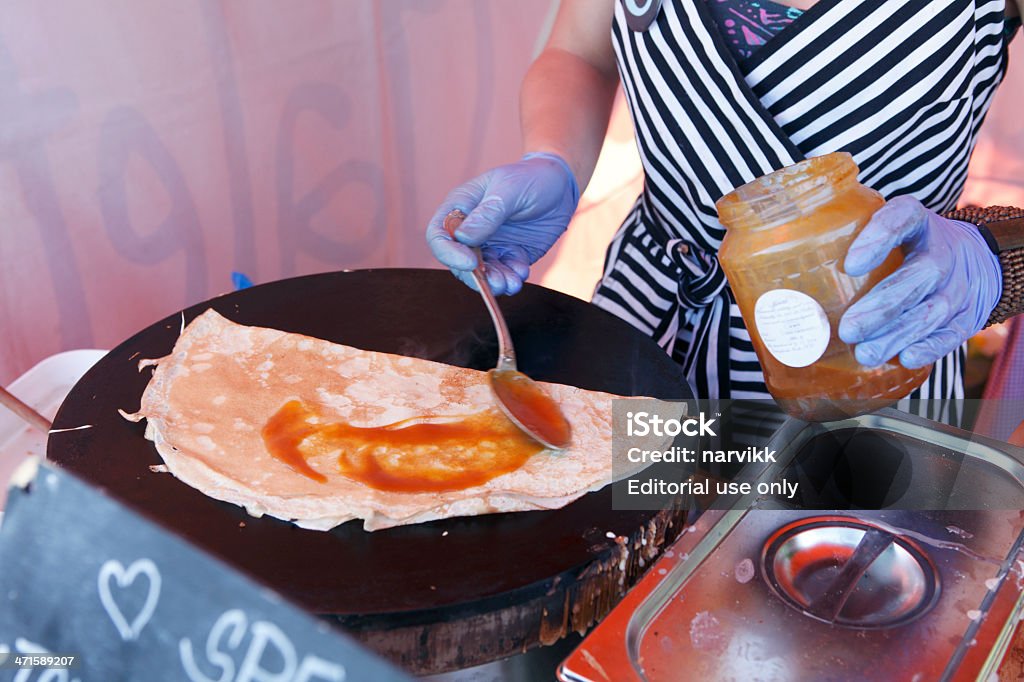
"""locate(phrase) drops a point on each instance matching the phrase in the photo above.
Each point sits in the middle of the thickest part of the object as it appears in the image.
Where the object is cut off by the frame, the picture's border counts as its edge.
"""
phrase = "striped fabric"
(903, 85)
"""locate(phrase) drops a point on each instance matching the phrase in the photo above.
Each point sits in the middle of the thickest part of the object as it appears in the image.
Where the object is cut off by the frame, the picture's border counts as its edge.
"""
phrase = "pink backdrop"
(149, 149)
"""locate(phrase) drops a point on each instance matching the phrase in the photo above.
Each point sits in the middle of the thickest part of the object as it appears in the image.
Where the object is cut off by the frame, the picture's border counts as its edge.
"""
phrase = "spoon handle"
(506, 353)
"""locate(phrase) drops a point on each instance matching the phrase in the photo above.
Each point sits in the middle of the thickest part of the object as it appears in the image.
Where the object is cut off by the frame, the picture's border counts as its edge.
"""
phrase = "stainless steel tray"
(940, 602)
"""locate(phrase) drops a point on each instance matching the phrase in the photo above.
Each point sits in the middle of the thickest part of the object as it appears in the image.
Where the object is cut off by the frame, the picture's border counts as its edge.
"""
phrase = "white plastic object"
(43, 388)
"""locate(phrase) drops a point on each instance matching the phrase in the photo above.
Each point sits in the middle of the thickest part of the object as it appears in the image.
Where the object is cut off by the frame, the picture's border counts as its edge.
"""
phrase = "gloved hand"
(515, 213)
(939, 297)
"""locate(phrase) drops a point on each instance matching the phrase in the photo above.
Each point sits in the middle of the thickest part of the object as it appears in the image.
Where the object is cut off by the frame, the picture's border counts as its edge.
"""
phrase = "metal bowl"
(850, 573)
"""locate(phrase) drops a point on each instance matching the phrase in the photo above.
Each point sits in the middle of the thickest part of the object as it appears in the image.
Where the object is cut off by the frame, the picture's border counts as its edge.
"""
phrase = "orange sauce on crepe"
(426, 454)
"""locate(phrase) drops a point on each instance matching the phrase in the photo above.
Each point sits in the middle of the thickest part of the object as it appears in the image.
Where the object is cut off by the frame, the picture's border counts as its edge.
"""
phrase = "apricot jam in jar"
(787, 234)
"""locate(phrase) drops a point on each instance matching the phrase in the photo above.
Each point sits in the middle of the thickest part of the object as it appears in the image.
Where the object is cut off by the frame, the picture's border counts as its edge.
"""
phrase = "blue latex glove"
(939, 297)
(515, 213)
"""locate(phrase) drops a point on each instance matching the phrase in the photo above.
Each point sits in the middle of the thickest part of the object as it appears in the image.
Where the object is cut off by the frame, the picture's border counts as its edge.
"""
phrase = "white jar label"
(792, 325)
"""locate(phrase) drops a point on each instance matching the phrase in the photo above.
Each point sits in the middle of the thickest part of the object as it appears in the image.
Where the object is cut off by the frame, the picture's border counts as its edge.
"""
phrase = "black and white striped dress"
(903, 85)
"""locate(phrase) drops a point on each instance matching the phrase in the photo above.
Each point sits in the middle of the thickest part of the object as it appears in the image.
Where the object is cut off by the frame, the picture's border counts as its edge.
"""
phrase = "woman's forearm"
(567, 95)
(565, 105)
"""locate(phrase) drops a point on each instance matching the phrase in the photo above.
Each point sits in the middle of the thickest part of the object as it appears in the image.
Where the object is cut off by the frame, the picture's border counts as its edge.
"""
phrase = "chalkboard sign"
(89, 586)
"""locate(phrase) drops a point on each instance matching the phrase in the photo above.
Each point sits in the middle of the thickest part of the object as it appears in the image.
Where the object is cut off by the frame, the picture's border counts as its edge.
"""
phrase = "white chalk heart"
(113, 570)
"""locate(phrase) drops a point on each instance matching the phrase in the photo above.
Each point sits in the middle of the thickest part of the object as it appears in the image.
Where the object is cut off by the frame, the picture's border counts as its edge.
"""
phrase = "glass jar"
(787, 235)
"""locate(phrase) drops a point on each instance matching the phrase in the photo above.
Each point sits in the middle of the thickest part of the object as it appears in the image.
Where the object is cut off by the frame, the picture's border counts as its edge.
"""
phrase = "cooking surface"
(465, 564)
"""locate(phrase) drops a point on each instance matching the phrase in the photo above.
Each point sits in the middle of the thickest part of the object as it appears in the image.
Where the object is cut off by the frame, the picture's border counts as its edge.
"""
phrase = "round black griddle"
(406, 590)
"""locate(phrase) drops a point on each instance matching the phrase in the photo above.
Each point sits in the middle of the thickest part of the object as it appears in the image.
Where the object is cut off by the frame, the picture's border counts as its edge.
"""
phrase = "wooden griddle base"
(567, 606)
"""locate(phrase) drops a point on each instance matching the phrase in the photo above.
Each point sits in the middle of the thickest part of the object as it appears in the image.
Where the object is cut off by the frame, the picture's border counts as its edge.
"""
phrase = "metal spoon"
(521, 399)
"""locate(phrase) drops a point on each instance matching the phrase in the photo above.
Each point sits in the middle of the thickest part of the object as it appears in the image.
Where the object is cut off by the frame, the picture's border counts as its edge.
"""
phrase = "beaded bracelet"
(1003, 230)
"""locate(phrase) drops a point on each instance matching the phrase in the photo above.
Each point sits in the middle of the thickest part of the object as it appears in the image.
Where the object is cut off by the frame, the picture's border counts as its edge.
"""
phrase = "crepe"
(209, 403)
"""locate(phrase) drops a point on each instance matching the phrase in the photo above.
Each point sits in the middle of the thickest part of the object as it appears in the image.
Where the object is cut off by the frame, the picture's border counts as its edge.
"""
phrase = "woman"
(903, 86)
